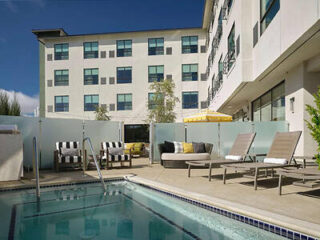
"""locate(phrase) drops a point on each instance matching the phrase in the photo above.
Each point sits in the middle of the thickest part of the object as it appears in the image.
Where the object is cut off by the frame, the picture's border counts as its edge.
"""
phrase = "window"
(270, 106)
(90, 50)
(189, 44)
(91, 76)
(124, 102)
(61, 77)
(152, 100)
(268, 10)
(61, 103)
(124, 75)
(189, 100)
(91, 102)
(220, 68)
(155, 73)
(231, 48)
(61, 51)
(124, 48)
(189, 72)
(229, 5)
(155, 46)
(278, 103)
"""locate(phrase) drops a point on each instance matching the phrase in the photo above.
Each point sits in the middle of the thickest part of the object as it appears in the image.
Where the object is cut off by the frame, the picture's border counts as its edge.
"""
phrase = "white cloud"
(27, 103)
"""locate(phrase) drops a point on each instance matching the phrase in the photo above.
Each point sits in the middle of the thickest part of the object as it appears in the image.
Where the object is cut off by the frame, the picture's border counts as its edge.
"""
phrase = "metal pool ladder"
(36, 166)
(96, 163)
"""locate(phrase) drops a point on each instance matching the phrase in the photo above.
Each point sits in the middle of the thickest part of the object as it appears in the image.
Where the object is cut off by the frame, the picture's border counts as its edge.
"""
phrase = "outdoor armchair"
(113, 152)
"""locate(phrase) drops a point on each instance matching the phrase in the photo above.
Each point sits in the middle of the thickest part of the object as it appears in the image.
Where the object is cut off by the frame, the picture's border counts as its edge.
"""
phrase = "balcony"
(217, 84)
(229, 60)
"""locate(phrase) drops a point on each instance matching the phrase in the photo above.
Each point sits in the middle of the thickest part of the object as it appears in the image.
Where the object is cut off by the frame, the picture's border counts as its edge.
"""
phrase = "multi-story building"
(264, 60)
(254, 60)
(115, 70)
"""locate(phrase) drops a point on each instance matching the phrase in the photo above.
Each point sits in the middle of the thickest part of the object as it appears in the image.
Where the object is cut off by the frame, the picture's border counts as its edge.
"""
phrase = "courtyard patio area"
(297, 208)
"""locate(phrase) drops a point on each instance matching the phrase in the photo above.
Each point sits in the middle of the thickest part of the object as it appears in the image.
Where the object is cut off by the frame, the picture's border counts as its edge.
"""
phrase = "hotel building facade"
(254, 60)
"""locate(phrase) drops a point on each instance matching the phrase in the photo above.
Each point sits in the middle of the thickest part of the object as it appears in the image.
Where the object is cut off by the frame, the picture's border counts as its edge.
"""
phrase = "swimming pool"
(128, 211)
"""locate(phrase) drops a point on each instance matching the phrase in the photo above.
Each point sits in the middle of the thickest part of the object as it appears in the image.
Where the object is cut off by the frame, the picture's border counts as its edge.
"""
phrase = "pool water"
(128, 211)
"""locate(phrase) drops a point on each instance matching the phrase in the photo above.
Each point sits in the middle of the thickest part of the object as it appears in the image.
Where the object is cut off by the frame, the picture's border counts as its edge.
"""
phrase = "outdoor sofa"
(178, 160)
(280, 155)
(238, 153)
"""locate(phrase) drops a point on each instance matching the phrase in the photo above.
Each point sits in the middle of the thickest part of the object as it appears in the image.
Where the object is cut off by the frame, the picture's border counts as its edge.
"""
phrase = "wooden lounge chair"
(280, 155)
(110, 159)
(67, 160)
(309, 177)
(238, 153)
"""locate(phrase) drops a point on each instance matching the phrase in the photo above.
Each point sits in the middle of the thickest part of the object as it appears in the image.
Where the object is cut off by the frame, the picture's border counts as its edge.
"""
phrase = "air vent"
(103, 80)
(104, 106)
(50, 108)
(49, 83)
(111, 54)
(112, 107)
(169, 51)
(49, 57)
(111, 80)
(204, 104)
(169, 77)
(203, 77)
(103, 54)
(203, 49)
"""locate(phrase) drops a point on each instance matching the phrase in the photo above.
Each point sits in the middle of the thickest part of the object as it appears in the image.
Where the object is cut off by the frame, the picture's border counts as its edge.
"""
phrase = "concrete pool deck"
(298, 207)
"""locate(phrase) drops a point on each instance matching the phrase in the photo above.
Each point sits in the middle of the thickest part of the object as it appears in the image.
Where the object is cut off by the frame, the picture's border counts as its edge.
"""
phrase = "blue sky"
(19, 47)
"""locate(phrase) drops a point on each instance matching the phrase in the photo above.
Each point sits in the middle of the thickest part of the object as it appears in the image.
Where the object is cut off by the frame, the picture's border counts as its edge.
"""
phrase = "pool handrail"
(96, 163)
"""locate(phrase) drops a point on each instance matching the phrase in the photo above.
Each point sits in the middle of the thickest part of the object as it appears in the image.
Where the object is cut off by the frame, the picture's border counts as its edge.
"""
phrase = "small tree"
(4, 103)
(15, 109)
(102, 114)
(163, 102)
(314, 123)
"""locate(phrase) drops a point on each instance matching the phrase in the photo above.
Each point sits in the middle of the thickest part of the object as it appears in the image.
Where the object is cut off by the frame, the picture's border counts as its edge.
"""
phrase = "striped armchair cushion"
(107, 145)
(68, 159)
(114, 158)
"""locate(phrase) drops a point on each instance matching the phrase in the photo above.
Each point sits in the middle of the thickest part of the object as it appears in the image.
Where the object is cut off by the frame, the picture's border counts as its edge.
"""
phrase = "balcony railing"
(212, 18)
(217, 84)
(229, 60)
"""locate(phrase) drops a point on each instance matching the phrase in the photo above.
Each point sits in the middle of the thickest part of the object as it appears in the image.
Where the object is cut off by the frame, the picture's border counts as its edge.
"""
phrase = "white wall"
(107, 68)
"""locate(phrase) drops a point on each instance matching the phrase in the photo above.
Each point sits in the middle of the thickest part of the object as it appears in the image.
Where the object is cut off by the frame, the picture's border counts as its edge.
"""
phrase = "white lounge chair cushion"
(275, 160)
(233, 157)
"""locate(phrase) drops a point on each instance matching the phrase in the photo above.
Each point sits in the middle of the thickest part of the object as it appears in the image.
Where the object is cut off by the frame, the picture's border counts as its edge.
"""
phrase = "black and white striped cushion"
(69, 145)
(70, 159)
(119, 158)
(107, 145)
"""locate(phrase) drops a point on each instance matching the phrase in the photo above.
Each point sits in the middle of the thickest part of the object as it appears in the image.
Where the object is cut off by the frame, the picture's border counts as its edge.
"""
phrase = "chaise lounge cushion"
(185, 157)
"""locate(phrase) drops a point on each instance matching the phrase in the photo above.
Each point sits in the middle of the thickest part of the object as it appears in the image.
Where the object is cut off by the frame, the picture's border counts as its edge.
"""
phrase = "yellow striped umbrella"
(208, 116)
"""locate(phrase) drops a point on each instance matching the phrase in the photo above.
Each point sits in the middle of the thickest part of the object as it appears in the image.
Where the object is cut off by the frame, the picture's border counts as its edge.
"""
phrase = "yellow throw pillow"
(138, 146)
(127, 147)
(187, 148)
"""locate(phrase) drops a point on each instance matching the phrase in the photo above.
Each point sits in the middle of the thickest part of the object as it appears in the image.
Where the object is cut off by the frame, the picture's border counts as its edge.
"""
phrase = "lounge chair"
(238, 153)
(309, 176)
(67, 154)
(113, 152)
(280, 155)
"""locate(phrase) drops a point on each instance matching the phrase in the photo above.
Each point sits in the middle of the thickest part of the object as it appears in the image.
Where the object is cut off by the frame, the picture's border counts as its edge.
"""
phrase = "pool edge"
(222, 207)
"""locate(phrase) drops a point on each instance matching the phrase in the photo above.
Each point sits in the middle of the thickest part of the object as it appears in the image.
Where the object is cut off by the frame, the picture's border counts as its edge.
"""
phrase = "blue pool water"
(128, 211)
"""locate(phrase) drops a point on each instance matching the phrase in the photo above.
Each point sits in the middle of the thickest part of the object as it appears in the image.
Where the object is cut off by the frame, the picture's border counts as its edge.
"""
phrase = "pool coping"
(291, 228)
